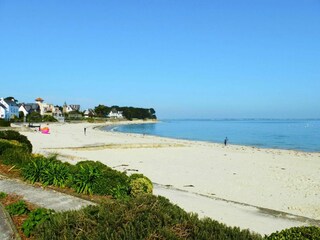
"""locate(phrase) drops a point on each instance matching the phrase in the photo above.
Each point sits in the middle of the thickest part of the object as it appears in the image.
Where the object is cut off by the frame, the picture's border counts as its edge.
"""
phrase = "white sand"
(281, 180)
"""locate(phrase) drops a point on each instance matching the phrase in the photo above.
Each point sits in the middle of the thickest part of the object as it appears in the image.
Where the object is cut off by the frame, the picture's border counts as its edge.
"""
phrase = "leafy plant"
(35, 218)
(18, 208)
(56, 174)
(84, 178)
(34, 171)
(3, 195)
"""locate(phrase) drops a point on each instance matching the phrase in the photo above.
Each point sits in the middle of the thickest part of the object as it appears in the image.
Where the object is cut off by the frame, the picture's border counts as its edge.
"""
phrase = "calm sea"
(302, 135)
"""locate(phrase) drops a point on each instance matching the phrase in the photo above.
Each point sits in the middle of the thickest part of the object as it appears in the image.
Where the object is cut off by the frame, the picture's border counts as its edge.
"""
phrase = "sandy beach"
(260, 189)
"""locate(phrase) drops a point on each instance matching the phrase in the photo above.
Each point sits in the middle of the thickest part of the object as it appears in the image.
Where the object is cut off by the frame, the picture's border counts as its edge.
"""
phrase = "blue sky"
(186, 59)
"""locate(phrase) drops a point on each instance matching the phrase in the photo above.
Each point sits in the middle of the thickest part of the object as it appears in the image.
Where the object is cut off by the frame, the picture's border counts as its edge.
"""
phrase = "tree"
(102, 110)
(34, 117)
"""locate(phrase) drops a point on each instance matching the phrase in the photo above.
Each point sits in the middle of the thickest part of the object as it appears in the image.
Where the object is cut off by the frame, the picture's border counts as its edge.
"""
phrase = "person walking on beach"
(85, 131)
(225, 141)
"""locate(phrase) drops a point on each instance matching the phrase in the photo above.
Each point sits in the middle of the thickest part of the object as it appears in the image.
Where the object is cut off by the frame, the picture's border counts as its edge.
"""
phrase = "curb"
(7, 218)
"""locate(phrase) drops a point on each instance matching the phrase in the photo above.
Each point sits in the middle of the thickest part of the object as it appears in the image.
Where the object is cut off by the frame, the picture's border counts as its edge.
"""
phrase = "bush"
(16, 156)
(18, 208)
(7, 144)
(144, 217)
(55, 173)
(91, 177)
(35, 170)
(35, 218)
(48, 118)
(4, 123)
(84, 177)
(297, 233)
(13, 135)
(112, 182)
(3, 195)
(140, 186)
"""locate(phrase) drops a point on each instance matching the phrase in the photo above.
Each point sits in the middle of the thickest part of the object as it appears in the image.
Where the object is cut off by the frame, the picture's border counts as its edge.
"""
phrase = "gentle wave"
(302, 135)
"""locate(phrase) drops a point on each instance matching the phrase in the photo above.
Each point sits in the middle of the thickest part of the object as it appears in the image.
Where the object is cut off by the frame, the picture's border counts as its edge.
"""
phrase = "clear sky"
(185, 58)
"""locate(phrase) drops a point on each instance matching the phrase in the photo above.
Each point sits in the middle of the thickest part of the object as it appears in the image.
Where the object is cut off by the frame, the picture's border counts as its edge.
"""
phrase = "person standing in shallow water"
(225, 141)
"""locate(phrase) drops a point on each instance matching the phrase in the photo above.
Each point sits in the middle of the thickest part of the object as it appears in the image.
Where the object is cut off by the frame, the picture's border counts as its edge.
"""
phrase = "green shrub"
(144, 217)
(6, 144)
(85, 177)
(3, 195)
(48, 118)
(4, 123)
(55, 173)
(16, 156)
(140, 186)
(297, 233)
(34, 171)
(91, 177)
(35, 218)
(13, 135)
(111, 182)
(18, 208)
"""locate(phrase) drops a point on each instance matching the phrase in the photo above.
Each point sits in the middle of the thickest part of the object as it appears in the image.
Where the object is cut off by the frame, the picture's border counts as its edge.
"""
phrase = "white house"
(45, 108)
(28, 108)
(9, 108)
(114, 113)
(2, 111)
(89, 113)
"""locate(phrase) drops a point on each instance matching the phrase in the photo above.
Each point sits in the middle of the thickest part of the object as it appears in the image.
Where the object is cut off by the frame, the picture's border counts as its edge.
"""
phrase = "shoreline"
(280, 180)
(199, 140)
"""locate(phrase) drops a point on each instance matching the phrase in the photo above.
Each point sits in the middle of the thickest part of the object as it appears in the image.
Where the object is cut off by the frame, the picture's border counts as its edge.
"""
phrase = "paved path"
(42, 197)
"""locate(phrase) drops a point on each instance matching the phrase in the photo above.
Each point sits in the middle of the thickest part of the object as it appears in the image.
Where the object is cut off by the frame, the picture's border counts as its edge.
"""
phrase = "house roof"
(31, 107)
(74, 107)
(10, 102)
(39, 99)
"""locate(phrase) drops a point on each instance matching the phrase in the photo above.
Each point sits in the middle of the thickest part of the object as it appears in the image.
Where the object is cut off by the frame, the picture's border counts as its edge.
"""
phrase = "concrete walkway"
(46, 198)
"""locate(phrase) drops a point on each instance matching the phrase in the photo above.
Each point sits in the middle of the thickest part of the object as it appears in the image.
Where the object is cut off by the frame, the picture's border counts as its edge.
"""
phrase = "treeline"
(127, 112)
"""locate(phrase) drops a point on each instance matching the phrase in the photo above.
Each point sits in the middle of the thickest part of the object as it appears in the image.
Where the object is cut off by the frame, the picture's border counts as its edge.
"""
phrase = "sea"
(301, 135)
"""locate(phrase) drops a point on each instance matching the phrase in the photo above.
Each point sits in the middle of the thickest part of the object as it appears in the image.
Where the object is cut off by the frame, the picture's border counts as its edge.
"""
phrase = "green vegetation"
(7, 144)
(16, 156)
(145, 217)
(128, 112)
(13, 135)
(4, 123)
(17, 208)
(3, 195)
(35, 218)
(48, 171)
(140, 184)
(85, 177)
(49, 118)
(34, 117)
(297, 233)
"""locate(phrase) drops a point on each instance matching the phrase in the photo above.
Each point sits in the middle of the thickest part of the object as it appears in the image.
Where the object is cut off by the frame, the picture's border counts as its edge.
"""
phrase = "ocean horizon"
(290, 134)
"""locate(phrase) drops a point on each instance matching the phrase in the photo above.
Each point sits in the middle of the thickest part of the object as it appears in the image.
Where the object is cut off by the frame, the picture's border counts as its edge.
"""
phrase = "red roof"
(39, 99)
